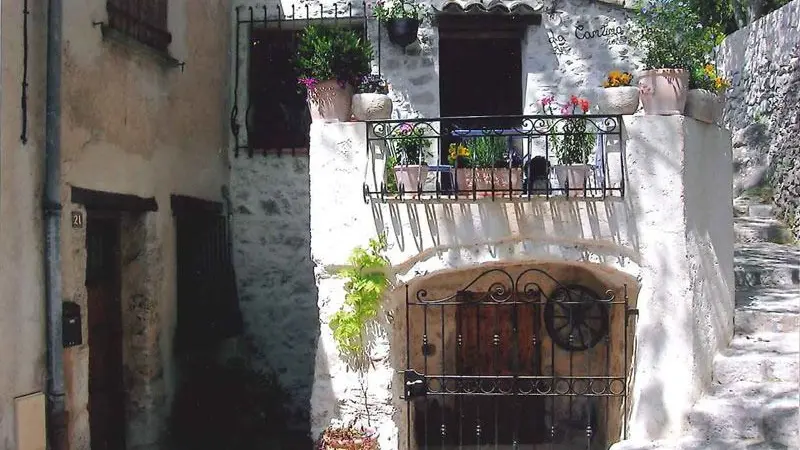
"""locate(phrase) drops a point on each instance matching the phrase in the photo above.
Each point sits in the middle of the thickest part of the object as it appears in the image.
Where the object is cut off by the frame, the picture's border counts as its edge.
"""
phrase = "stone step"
(748, 321)
(757, 229)
(759, 367)
(775, 344)
(748, 411)
(763, 210)
(782, 299)
(766, 264)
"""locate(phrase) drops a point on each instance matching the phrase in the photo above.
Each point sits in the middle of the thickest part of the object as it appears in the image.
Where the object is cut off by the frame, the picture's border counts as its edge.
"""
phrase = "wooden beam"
(111, 201)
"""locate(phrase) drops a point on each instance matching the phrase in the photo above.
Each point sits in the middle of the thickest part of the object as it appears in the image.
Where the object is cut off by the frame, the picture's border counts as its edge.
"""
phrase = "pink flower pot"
(663, 91)
(328, 101)
(482, 180)
(410, 177)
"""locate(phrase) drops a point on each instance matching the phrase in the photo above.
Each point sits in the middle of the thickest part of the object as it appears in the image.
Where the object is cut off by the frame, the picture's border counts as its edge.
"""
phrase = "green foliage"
(410, 144)
(391, 179)
(327, 53)
(672, 35)
(366, 283)
(386, 10)
(706, 77)
(727, 16)
(576, 144)
(487, 151)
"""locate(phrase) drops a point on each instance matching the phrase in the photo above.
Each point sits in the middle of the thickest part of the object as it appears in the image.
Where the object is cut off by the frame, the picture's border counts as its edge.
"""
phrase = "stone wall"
(275, 274)
(763, 110)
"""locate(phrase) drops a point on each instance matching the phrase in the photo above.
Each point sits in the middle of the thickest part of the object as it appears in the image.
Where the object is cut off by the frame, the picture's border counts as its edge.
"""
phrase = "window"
(208, 304)
(143, 20)
(480, 69)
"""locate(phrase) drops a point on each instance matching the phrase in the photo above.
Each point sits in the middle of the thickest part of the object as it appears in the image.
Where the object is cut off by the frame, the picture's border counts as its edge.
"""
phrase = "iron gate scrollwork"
(516, 361)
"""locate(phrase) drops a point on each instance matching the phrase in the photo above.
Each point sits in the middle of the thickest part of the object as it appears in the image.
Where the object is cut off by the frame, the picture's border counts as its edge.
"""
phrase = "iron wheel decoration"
(576, 318)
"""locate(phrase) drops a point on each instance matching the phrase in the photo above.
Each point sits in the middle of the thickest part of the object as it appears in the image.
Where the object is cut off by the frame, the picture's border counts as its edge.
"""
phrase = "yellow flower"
(709, 69)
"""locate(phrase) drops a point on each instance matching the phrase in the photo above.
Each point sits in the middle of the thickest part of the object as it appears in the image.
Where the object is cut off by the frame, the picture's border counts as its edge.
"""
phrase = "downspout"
(56, 405)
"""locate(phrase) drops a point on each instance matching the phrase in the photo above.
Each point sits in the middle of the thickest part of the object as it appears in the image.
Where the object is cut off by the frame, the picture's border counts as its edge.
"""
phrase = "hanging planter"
(402, 32)
(401, 18)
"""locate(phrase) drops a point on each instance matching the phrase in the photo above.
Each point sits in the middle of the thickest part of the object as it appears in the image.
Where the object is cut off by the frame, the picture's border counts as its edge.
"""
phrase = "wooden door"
(106, 392)
(501, 340)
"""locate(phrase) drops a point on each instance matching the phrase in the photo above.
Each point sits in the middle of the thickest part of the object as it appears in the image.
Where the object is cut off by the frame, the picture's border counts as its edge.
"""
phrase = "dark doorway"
(106, 389)
(480, 71)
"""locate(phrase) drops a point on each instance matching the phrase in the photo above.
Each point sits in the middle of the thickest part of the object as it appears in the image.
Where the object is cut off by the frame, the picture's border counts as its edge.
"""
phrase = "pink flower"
(406, 128)
(547, 100)
(308, 82)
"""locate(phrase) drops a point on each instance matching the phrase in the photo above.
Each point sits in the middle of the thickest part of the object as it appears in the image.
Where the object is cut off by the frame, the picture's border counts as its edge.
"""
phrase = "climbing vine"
(366, 283)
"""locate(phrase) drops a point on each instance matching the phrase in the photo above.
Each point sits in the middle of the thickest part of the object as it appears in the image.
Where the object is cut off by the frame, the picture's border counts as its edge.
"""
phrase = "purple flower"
(308, 82)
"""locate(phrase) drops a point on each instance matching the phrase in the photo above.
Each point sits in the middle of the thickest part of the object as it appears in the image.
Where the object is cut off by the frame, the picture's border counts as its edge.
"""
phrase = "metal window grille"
(143, 20)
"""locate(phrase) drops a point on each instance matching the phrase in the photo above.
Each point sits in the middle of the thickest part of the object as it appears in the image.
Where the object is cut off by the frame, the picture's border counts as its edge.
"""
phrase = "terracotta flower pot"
(402, 32)
(575, 174)
(704, 106)
(623, 100)
(329, 101)
(482, 179)
(410, 176)
(372, 106)
(663, 91)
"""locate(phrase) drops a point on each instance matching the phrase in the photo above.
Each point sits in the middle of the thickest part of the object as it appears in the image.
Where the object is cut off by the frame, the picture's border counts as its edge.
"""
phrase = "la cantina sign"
(605, 30)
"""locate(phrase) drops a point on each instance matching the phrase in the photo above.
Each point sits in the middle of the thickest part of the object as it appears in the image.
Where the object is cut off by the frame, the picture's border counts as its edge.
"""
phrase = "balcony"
(495, 158)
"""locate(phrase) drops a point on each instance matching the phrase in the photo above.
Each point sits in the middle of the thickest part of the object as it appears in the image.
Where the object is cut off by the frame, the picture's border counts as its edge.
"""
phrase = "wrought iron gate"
(516, 361)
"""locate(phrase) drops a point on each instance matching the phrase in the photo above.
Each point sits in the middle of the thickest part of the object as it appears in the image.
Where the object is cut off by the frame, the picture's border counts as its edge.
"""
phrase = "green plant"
(332, 53)
(487, 151)
(573, 143)
(391, 178)
(386, 10)
(671, 34)
(366, 283)
(705, 77)
(410, 143)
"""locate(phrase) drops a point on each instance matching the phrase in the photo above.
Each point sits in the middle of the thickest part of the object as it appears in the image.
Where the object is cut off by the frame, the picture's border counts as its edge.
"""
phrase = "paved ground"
(754, 400)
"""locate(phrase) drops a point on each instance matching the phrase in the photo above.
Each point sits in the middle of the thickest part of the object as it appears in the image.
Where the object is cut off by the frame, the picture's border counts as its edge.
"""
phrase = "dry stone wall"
(763, 107)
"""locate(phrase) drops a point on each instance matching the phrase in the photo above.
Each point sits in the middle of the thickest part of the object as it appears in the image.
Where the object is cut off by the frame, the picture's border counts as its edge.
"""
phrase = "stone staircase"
(754, 400)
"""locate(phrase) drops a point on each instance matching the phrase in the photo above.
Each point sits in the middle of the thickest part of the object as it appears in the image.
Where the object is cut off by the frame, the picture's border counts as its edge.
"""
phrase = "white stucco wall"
(670, 232)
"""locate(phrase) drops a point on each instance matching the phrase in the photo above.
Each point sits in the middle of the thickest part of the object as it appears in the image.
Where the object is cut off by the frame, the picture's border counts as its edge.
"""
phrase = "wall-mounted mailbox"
(71, 324)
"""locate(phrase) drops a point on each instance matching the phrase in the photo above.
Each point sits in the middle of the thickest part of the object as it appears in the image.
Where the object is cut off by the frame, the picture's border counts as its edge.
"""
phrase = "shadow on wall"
(275, 273)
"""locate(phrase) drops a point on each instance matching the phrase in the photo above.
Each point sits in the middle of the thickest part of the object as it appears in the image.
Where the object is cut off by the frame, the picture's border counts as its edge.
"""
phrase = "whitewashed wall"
(671, 232)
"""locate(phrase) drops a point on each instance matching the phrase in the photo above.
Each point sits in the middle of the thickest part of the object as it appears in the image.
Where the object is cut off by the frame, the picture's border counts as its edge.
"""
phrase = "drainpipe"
(56, 409)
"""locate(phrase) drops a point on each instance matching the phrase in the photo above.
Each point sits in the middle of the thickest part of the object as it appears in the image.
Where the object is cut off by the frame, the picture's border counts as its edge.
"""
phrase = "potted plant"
(401, 18)
(371, 101)
(347, 438)
(672, 40)
(411, 149)
(705, 99)
(573, 143)
(619, 97)
(330, 62)
(486, 162)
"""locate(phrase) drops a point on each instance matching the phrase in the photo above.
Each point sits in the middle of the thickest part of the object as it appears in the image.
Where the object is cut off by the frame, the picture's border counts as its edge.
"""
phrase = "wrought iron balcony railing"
(495, 158)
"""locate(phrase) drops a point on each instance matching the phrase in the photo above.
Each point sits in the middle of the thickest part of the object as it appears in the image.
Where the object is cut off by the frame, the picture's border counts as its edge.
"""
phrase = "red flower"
(585, 105)
(574, 100)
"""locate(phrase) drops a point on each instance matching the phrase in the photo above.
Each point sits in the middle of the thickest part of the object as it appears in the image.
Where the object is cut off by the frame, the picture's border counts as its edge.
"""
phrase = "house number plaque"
(77, 219)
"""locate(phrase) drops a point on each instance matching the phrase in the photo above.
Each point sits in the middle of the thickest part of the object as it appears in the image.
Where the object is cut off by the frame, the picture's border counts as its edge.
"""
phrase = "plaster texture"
(671, 247)
(275, 275)
(22, 322)
(129, 125)
(763, 62)
(571, 52)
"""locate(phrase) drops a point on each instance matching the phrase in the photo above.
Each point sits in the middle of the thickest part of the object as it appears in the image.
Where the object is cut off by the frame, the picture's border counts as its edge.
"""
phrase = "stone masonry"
(763, 107)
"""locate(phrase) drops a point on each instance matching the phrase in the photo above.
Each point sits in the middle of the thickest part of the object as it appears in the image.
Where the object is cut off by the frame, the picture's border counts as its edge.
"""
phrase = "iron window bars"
(250, 18)
(143, 20)
(531, 166)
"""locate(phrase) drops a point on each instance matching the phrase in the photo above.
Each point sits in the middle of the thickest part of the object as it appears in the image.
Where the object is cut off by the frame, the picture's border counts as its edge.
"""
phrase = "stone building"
(113, 172)
(304, 196)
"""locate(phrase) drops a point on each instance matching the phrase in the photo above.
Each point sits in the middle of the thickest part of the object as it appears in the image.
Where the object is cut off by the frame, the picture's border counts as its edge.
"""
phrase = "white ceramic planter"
(704, 106)
(372, 106)
(328, 101)
(622, 100)
(663, 91)
(410, 177)
(575, 174)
